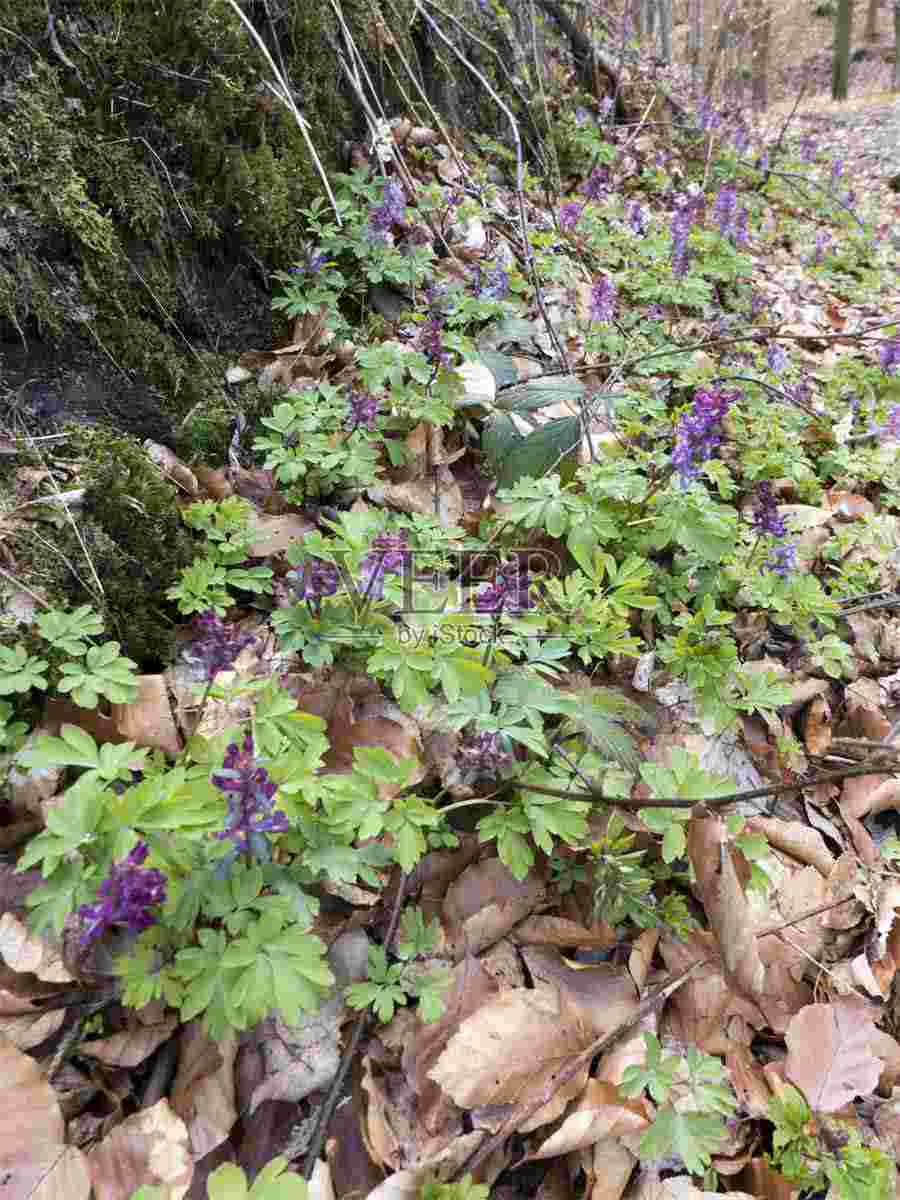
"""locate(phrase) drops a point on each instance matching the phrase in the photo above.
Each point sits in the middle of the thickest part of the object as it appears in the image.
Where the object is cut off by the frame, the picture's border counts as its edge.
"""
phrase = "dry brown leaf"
(484, 904)
(439, 496)
(607, 1166)
(817, 732)
(558, 931)
(603, 995)
(511, 1049)
(152, 1147)
(26, 952)
(766, 1183)
(173, 468)
(600, 1113)
(275, 534)
(132, 1046)
(203, 1093)
(299, 1059)
(679, 1187)
(796, 839)
(34, 1162)
(829, 1058)
(148, 721)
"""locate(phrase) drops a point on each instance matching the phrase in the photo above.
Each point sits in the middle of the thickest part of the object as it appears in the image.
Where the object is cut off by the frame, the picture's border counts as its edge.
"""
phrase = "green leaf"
(73, 748)
(693, 1136)
(66, 631)
(538, 393)
(104, 672)
(512, 456)
(20, 671)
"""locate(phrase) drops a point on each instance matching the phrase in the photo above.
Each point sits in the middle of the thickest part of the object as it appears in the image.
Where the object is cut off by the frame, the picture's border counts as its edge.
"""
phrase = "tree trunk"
(897, 45)
(840, 69)
(870, 33)
(665, 30)
(695, 42)
(759, 44)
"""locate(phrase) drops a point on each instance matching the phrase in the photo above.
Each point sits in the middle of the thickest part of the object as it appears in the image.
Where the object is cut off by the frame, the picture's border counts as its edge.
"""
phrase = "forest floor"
(577, 847)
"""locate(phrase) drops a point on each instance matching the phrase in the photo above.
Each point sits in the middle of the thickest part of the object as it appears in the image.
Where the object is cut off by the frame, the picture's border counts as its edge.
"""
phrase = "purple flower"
(570, 215)
(311, 264)
(808, 148)
(313, 580)
(493, 285)
(837, 170)
(724, 208)
(762, 163)
(707, 117)
(892, 426)
(741, 139)
(389, 213)
(822, 240)
(606, 105)
(484, 752)
(889, 355)
(596, 185)
(216, 645)
(362, 410)
(251, 796)
(603, 300)
(757, 303)
(388, 556)
(688, 207)
(509, 591)
(776, 358)
(783, 559)
(739, 233)
(656, 312)
(698, 433)
(125, 897)
(766, 518)
(637, 218)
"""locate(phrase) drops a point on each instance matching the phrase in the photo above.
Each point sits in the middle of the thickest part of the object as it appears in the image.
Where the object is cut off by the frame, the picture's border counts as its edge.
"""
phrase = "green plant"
(815, 1152)
(694, 1098)
(391, 984)
(229, 1182)
(208, 582)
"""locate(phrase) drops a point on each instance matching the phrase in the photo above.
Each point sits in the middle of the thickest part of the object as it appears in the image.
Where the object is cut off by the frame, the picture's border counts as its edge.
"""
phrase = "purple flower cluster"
(483, 752)
(251, 796)
(311, 264)
(766, 518)
(362, 410)
(508, 592)
(783, 559)
(126, 896)
(889, 355)
(596, 185)
(822, 240)
(390, 212)
(837, 170)
(389, 555)
(570, 215)
(698, 433)
(776, 358)
(732, 221)
(741, 139)
(808, 148)
(637, 218)
(313, 580)
(892, 425)
(493, 284)
(708, 118)
(603, 300)
(216, 645)
(688, 209)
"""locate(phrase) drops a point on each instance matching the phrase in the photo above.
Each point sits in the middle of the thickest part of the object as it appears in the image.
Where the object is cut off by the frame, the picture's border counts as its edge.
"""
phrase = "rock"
(478, 382)
(238, 374)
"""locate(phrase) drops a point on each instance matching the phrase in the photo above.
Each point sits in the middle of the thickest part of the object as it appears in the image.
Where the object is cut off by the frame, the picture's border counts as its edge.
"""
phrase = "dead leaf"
(829, 1058)
(152, 1147)
(299, 1059)
(817, 731)
(203, 1093)
(148, 721)
(511, 1049)
(132, 1046)
(600, 1113)
(275, 534)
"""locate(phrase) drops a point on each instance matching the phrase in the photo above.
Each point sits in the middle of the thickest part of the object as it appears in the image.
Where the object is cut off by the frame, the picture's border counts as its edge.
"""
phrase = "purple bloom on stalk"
(757, 303)
(606, 105)
(570, 215)
(783, 559)
(603, 300)
(724, 208)
(596, 185)
(889, 355)
(776, 358)
(837, 170)
(217, 645)
(126, 896)
(739, 232)
(637, 218)
(494, 285)
(484, 752)
(808, 148)
(762, 163)
(766, 518)
(509, 591)
(388, 556)
(315, 579)
(685, 212)
(707, 117)
(822, 240)
(741, 139)
(312, 263)
(892, 426)
(698, 433)
(362, 409)
(389, 213)
(251, 796)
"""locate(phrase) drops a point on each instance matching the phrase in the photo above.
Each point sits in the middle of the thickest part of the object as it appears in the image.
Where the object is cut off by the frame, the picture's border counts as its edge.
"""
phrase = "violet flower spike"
(362, 411)
(483, 752)
(776, 358)
(603, 300)
(251, 796)
(389, 555)
(570, 215)
(784, 559)
(125, 897)
(698, 433)
(216, 646)
(889, 355)
(766, 517)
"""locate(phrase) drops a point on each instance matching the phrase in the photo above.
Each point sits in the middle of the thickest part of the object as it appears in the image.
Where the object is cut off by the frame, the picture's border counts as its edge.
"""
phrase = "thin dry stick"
(285, 95)
(520, 177)
(334, 1092)
(22, 588)
(713, 801)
